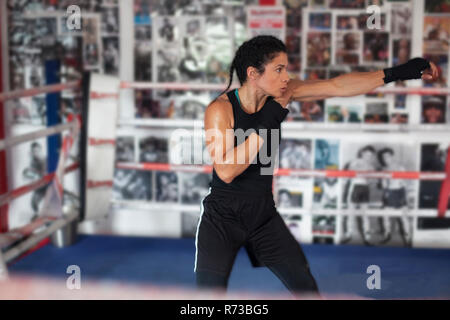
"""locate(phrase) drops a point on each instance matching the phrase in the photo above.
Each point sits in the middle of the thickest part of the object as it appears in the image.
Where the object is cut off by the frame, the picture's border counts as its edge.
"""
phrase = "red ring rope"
(13, 194)
(405, 175)
(35, 91)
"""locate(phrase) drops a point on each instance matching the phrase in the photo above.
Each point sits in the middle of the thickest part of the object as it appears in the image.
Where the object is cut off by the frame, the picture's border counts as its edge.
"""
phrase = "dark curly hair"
(366, 148)
(256, 52)
(381, 154)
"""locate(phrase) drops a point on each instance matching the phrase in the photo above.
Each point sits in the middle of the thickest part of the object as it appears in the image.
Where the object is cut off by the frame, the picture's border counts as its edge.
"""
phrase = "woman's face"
(275, 77)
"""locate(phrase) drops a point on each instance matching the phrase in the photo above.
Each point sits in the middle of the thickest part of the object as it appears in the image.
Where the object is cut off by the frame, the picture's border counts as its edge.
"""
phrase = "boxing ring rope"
(219, 87)
(10, 142)
(143, 205)
(421, 91)
(36, 91)
(33, 240)
(14, 235)
(403, 175)
(16, 193)
(317, 173)
(17, 241)
(307, 173)
(193, 86)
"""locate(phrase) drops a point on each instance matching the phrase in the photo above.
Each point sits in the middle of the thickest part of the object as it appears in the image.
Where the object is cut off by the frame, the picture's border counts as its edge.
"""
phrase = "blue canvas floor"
(405, 272)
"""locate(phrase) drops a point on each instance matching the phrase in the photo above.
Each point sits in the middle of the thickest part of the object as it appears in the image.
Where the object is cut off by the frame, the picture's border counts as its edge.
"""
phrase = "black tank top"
(253, 179)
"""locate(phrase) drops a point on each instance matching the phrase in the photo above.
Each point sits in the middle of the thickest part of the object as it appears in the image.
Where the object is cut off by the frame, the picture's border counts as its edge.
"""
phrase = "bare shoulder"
(220, 112)
(220, 104)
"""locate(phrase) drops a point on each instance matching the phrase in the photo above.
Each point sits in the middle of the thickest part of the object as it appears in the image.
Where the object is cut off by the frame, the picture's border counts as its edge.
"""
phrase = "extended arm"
(356, 83)
(347, 85)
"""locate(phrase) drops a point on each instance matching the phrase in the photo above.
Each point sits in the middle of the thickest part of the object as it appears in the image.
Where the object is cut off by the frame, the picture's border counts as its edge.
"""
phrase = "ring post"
(67, 235)
(3, 268)
(85, 84)
(3, 173)
(445, 189)
(52, 68)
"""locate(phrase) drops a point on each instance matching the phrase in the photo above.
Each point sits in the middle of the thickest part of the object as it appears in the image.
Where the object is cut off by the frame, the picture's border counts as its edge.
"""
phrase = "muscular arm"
(228, 161)
(355, 83)
(347, 85)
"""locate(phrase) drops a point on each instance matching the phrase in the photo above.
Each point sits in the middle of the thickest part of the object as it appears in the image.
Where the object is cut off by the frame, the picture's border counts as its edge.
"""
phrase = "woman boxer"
(239, 209)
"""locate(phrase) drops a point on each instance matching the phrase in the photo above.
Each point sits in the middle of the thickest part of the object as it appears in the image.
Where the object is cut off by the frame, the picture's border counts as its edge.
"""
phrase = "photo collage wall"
(324, 39)
(319, 201)
(40, 31)
(188, 42)
(172, 187)
(436, 48)
(194, 41)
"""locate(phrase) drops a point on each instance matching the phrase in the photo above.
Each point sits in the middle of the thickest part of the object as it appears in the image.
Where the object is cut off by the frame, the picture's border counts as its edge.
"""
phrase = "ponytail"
(232, 67)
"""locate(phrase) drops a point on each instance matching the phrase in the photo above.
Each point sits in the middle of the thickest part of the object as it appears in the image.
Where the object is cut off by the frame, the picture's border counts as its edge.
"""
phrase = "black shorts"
(394, 198)
(360, 193)
(230, 220)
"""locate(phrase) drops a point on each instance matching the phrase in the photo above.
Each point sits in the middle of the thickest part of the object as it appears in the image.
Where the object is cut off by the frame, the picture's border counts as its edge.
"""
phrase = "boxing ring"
(18, 241)
(97, 187)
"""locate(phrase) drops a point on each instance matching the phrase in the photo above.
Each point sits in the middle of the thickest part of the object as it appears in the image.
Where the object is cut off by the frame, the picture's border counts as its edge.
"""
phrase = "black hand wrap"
(271, 115)
(407, 71)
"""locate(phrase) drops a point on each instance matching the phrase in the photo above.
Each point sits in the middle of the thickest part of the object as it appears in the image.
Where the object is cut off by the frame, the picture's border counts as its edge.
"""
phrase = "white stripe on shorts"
(198, 227)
